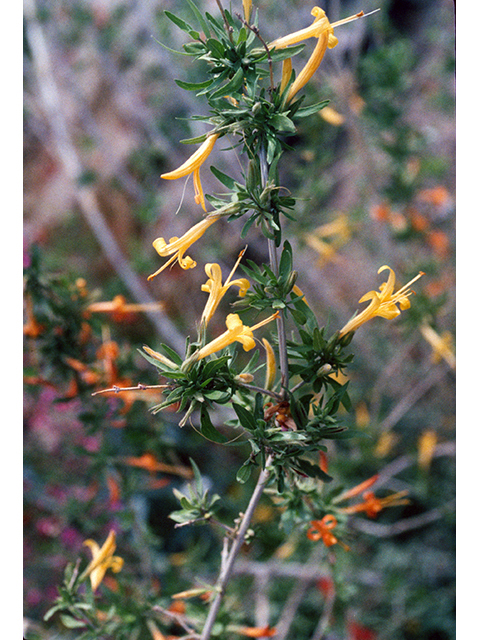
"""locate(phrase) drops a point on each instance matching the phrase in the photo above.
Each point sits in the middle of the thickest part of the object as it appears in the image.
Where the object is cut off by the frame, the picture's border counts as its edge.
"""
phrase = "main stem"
(227, 565)
(232, 553)
(272, 253)
(229, 560)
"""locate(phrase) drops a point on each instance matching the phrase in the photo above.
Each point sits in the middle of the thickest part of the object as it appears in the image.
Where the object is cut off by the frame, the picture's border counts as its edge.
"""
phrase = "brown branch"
(413, 396)
(231, 553)
(85, 196)
(139, 387)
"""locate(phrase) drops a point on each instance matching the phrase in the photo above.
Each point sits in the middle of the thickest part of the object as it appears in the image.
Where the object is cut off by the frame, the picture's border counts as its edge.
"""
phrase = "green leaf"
(198, 476)
(298, 316)
(184, 26)
(215, 48)
(342, 433)
(312, 470)
(170, 353)
(286, 263)
(217, 27)
(243, 474)
(281, 54)
(247, 225)
(195, 140)
(53, 610)
(283, 123)
(193, 49)
(208, 430)
(247, 420)
(317, 343)
(224, 179)
(193, 86)
(216, 395)
(199, 17)
(232, 86)
(71, 623)
(314, 108)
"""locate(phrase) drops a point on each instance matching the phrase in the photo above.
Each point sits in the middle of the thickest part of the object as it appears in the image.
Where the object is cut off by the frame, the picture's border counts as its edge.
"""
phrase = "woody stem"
(227, 565)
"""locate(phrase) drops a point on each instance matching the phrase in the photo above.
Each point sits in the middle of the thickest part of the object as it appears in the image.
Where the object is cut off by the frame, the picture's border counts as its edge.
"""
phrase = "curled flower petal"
(214, 287)
(236, 332)
(383, 303)
(192, 165)
(102, 560)
(177, 247)
(322, 29)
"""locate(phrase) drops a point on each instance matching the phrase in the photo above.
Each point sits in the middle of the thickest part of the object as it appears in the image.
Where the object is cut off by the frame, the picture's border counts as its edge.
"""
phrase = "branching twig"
(265, 392)
(227, 565)
(326, 616)
(176, 617)
(139, 387)
(414, 395)
(256, 31)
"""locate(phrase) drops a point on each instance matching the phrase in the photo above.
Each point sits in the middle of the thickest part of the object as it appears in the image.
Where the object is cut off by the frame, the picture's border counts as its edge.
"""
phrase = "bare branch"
(85, 196)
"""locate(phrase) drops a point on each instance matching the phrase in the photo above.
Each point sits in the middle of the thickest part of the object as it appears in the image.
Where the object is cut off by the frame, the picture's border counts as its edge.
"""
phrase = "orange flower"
(323, 30)
(176, 247)
(373, 505)
(381, 212)
(359, 632)
(256, 632)
(322, 530)
(439, 242)
(150, 463)
(120, 309)
(32, 328)
(354, 491)
(436, 196)
(113, 491)
(326, 586)
(426, 448)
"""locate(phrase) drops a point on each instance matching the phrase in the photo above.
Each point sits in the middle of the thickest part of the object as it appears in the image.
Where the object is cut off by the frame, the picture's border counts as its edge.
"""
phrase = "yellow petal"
(194, 161)
(271, 371)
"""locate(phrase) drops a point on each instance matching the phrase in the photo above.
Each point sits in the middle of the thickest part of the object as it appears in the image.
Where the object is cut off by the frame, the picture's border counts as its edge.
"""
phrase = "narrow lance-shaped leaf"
(208, 430)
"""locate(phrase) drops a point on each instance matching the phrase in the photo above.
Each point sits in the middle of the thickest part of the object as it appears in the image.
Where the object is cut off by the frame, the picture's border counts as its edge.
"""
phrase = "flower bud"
(292, 278)
(324, 369)
(244, 378)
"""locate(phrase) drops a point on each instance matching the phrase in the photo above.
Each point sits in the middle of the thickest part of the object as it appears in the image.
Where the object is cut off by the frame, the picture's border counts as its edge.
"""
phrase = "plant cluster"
(280, 406)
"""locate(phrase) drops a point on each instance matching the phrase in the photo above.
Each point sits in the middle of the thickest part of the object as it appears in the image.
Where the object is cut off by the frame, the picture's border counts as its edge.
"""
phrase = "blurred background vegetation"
(375, 180)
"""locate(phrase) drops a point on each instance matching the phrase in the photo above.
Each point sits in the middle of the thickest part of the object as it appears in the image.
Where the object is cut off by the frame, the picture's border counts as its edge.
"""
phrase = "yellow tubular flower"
(441, 345)
(160, 357)
(236, 332)
(247, 9)
(426, 448)
(176, 247)
(323, 31)
(308, 32)
(102, 560)
(192, 165)
(320, 23)
(271, 365)
(286, 73)
(312, 65)
(383, 303)
(214, 287)
(331, 116)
